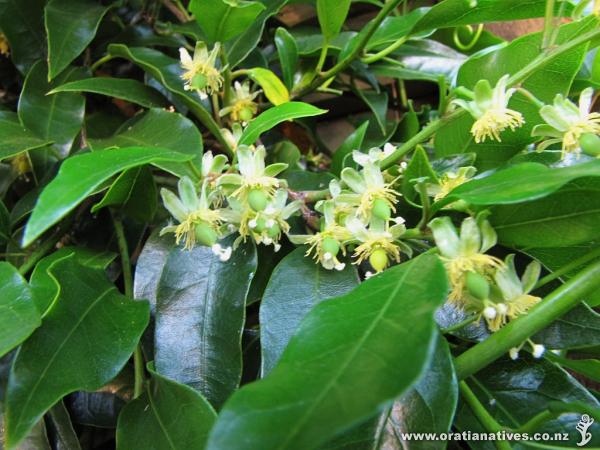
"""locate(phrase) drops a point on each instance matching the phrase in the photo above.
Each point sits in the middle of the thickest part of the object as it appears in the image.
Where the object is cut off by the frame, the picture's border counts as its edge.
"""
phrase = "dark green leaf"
(579, 328)
(288, 55)
(590, 368)
(57, 118)
(168, 415)
(61, 427)
(394, 28)
(14, 138)
(134, 192)
(352, 142)
(200, 315)
(162, 129)
(418, 167)
(124, 88)
(150, 266)
(86, 338)
(71, 25)
(297, 284)
(274, 116)
(332, 15)
(222, 20)
(22, 21)
(320, 386)
(18, 314)
(44, 287)
(80, 175)
(377, 103)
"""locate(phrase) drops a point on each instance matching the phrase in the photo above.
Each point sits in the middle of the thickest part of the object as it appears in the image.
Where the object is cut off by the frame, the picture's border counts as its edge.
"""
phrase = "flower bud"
(590, 144)
(199, 81)
(330, 245)
(205, 235)
(538, 350)
(257, 200)
(378, 259)
(381, 209)
(477, 285)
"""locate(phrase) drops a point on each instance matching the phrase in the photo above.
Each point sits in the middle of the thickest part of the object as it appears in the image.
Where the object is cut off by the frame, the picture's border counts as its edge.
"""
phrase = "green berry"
(246, 114)
(257, 200)
(205, 235)
(378, 259)
(199, 81)
(477, 285)
(381, 209)
(590, 144)
(261, 224)
(330, 245)
(274, 231)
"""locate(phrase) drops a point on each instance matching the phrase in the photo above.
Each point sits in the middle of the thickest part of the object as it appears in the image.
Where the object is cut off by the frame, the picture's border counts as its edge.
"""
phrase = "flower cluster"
(359, 217)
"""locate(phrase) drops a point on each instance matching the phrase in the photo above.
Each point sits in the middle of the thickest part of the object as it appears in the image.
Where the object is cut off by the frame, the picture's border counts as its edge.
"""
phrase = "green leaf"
(288, 55)
(350, 356)
(352, 142)
(578, 328)
(377, 103)
(200, 316)
(44, 288)
(158, 128)
(552, 78)
(81, 175)
(167, 415)
(18, 314)
(86, 338)
(22, 22)
(135, 193)
(514, 392)
(150, 266)
(14, 138)
(332, 15)
(418, 167)
(57, 118)
(222, 20)
(71, 25)
(124, 88)
(5, 225)
(274, 116)
(535, 181)
(394, 28)
(273, 88)
(297, 284)
(452, 13)
(167, 71)
(37, 439)
(61, 428)
(590, 368)
(565, 218)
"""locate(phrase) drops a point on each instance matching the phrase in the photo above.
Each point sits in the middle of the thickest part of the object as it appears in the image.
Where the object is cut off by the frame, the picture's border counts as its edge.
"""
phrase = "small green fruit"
(199, 81)
(378, 259)
(246, 114)
(261, 224)
(381, 209)
(590, 144)
(477, 286)
(330, 245)
(257, 200)
(205, 235)
(274, 231)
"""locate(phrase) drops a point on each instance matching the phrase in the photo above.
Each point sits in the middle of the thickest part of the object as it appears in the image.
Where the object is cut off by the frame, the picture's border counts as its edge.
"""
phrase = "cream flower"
(242, 106)
(449, 181)
(567, 123)
(200, 74)
(490, 109)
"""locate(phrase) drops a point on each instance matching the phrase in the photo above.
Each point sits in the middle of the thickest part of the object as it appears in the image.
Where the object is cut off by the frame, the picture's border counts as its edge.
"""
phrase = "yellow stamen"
(495, 121)
(186, 229)
(459, 266)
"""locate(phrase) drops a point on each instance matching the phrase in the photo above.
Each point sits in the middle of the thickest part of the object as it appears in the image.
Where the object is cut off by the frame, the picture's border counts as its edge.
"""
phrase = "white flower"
(200, 73)
(242, 106)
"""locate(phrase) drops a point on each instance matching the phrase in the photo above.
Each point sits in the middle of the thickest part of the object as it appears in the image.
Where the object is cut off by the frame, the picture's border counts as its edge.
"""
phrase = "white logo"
(583, 425)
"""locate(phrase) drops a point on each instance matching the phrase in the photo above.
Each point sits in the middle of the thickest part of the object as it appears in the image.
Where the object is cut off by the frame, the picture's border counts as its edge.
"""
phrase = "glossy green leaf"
(86, 338)
(124, 88)
(535, 181)
(44, 288)
(418, 167)
(61, 428)
(552, 78)
(80, 175)
(5, 225)
(288, 55)
(57, 118)
(200, 315)
(565, 218)
(320, 385)
(273, 88)
(134, 193)
(579, 328)
(37, 439)
(18, 314)
(167, 71)
(394, 28)
(25, 32)
(332, 15)
(274, 116)
(352, 142)
(377, 103)
(71, 25)
(14, 138)
(590, 368)
(161, 129)
(295, 287)
(168, 415)
(513, 392)
(222, 20)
